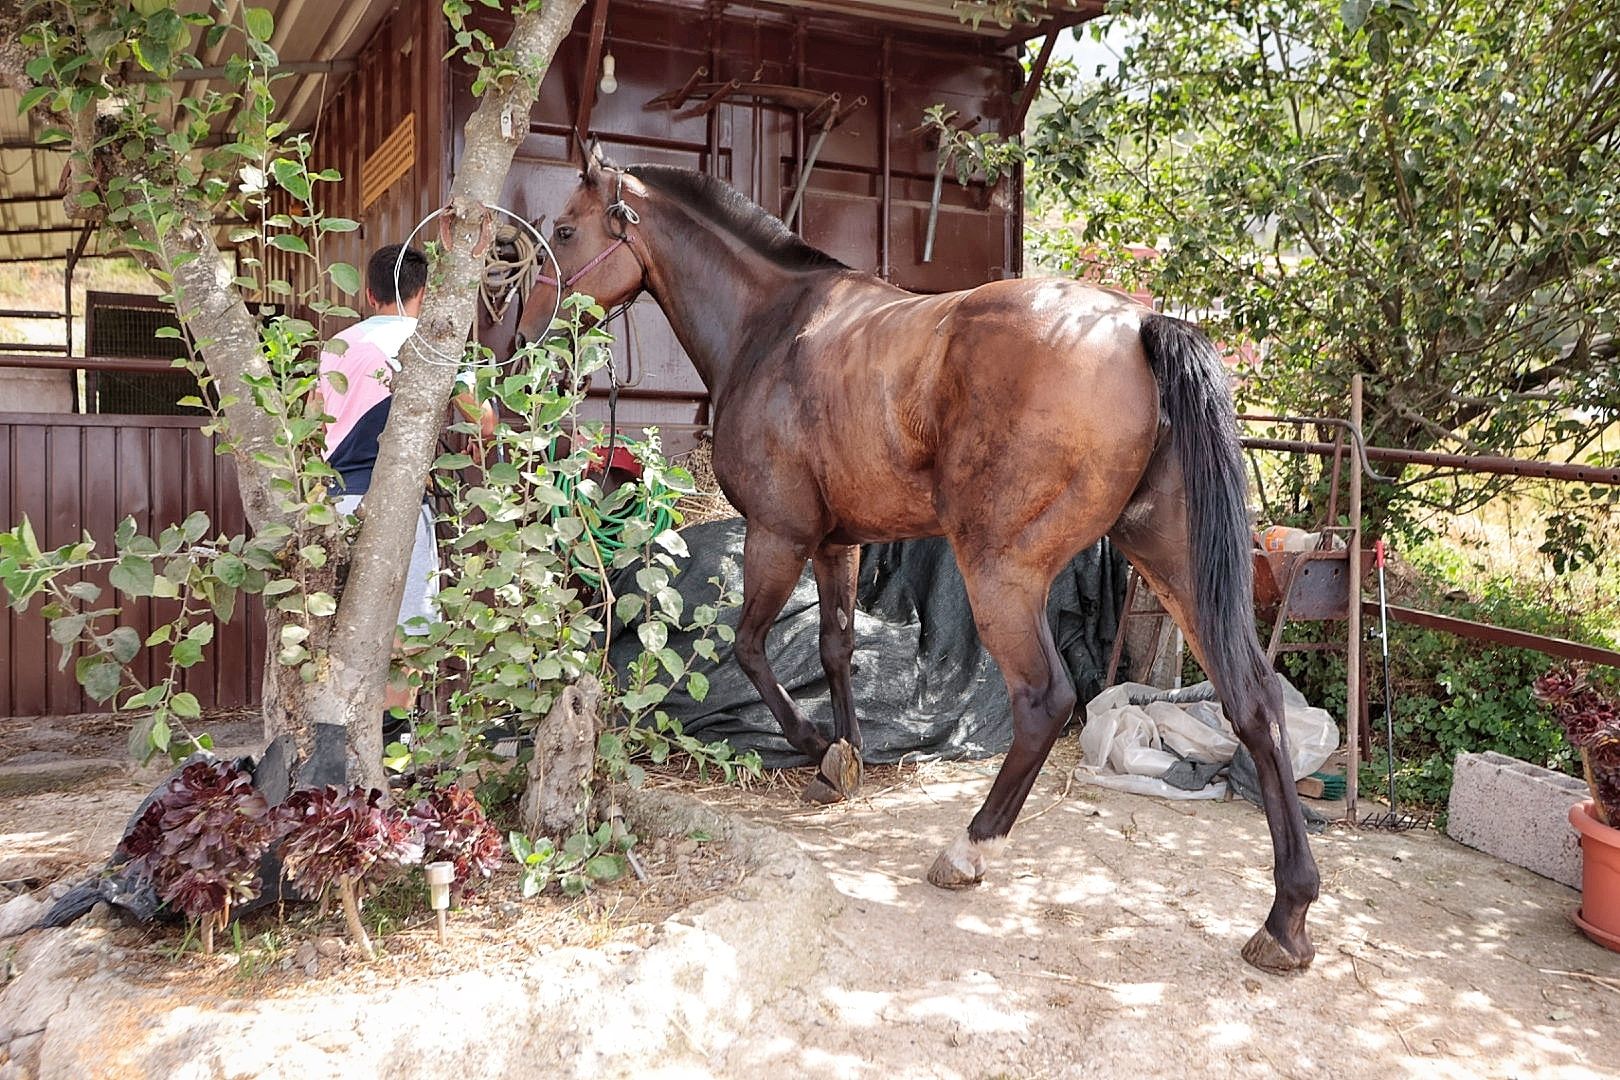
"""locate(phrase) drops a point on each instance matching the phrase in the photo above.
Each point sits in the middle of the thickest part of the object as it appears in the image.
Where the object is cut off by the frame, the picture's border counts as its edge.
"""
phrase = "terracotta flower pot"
(1599, 914)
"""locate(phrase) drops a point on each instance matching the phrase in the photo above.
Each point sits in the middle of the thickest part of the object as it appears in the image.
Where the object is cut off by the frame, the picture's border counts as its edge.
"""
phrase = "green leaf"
(132, 576)
(672, 542)
(1354, 13)
(30, 544)
(123, 643)
(185, 706)
(87, 591)
(261, 24)
(187, 652)
(231, 570)
(146, 698)
(697, 685)
(605, 867)
(290, 175)
(289, 242)
(345, 277)
(654, 635)
(34, 97)
(338, 224)
(66, 629)
(320, 604)
(628, 606)
(159, 735)
(99, 676)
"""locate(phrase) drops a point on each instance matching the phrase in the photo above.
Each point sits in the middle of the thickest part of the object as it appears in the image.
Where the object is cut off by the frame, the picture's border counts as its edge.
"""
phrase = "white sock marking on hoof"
(972, 857)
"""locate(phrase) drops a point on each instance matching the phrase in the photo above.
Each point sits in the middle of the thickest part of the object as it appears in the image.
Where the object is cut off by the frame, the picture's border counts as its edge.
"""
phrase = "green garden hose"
(653, 503)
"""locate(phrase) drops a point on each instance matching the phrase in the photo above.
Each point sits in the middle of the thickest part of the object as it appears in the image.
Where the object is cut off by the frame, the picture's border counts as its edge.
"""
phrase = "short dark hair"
(413, 272)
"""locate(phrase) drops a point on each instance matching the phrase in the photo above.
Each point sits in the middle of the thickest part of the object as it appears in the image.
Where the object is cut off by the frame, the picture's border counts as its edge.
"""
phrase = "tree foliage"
(1424, 193)
(167, 174)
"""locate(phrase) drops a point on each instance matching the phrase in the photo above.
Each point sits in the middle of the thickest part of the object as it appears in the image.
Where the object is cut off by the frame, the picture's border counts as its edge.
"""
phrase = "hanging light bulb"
(608, 83)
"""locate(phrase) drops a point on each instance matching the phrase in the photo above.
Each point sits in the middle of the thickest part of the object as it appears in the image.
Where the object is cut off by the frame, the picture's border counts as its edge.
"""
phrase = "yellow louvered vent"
(390, 161)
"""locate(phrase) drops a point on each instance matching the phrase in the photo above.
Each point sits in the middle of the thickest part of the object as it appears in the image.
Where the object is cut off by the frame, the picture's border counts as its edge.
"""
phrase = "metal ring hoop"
(427, 352)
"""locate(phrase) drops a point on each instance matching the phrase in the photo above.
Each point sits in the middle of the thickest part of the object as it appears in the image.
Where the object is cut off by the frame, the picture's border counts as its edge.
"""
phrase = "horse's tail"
(1197, 404)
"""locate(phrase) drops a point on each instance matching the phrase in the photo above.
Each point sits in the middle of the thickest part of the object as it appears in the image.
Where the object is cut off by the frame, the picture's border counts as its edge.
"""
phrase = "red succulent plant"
(1591, 721)
(200, 841)
(334, 835)
(454, 828)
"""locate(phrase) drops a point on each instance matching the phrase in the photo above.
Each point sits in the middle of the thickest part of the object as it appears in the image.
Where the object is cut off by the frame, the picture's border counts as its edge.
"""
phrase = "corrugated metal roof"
(33, 223)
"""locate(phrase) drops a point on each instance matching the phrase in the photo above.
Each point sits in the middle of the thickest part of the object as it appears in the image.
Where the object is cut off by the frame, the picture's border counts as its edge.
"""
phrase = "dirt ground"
(1105, 943)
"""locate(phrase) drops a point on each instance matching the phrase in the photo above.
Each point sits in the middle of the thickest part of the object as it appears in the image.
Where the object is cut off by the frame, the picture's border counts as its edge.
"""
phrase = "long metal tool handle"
(1389, 697)
(793, 216)
(933, 207)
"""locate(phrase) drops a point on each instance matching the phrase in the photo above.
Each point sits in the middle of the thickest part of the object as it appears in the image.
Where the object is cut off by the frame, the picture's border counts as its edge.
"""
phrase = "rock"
(572, 1013)
(19, 914)
(101, 917)
(308, 958)
(329, 946)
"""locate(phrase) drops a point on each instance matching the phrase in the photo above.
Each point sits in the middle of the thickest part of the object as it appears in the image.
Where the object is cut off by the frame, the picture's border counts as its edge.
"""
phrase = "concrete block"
(36, 390)
(1518, 812)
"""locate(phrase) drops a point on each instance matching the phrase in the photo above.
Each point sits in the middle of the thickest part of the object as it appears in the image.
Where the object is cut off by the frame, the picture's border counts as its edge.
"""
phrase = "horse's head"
(595, 244)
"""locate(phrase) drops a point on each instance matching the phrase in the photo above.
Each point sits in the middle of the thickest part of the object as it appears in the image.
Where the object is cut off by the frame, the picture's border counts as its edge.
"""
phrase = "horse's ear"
(594, 163)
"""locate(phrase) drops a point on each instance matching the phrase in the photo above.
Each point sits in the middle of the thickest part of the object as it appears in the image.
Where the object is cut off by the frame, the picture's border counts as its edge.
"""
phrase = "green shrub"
(1452, 694)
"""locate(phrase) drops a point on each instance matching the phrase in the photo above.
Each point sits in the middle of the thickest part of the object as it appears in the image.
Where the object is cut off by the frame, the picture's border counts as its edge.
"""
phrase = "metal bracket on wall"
(818, 107)
(834, 115)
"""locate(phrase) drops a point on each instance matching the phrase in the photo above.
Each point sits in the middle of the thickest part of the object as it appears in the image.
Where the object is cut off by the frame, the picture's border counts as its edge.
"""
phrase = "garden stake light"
(439, 877)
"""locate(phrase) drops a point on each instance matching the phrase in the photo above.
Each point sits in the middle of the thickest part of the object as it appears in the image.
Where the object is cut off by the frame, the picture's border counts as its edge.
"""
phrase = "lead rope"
(510, 279)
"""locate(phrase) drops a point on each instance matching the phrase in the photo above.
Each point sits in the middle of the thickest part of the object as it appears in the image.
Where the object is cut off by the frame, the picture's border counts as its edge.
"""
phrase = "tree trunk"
(555, 803)
(363, 635)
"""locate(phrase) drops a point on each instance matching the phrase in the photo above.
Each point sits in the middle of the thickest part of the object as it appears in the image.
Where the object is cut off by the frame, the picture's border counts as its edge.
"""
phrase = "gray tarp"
(923, 684)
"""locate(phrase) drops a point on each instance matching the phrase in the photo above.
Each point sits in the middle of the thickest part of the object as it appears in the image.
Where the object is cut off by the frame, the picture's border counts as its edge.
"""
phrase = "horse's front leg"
(836, 567)
(771, 567)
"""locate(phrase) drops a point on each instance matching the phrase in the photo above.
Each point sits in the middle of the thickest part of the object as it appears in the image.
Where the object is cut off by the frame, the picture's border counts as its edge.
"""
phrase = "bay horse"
(1022, 420)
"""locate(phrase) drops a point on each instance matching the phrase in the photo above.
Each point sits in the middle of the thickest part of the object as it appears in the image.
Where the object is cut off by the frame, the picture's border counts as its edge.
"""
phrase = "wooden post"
(1352, 696)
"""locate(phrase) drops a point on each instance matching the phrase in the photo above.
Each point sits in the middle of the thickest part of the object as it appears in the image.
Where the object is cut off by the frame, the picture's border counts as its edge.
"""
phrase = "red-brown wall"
(757, 148)
(72, 474)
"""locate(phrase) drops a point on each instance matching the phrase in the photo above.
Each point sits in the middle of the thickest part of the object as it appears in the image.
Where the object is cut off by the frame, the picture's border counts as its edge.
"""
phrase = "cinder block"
(1518, 812)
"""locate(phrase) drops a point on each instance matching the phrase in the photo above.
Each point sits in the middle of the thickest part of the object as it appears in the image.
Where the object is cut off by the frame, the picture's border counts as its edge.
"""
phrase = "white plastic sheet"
(1128, 747)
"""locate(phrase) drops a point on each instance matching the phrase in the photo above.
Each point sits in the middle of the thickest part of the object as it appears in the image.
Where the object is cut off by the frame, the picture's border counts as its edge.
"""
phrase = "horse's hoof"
(1268, 954)
(839, 776)
(947, 875)
(958, 866)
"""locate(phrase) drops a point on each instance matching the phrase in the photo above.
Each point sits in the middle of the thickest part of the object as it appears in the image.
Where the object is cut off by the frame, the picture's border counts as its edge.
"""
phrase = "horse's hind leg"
(1154, 536)
(836, 567)
(1009, 608)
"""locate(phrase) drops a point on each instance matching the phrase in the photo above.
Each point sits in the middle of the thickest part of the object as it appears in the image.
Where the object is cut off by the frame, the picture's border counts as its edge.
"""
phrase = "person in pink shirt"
(358, 405)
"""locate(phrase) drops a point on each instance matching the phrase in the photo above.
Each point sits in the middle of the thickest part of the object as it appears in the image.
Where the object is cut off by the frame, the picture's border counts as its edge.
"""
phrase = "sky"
(1087, 54)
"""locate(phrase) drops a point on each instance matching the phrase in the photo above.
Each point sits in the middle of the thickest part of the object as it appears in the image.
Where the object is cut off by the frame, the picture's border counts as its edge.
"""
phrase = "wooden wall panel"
(72, 474)
(759, 147)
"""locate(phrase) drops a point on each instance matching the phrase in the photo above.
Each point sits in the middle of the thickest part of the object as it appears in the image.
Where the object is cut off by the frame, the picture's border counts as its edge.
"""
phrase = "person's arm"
(481, 411)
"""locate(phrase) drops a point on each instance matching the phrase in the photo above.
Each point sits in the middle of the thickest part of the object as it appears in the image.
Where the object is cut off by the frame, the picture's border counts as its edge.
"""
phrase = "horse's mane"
(735, 213)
